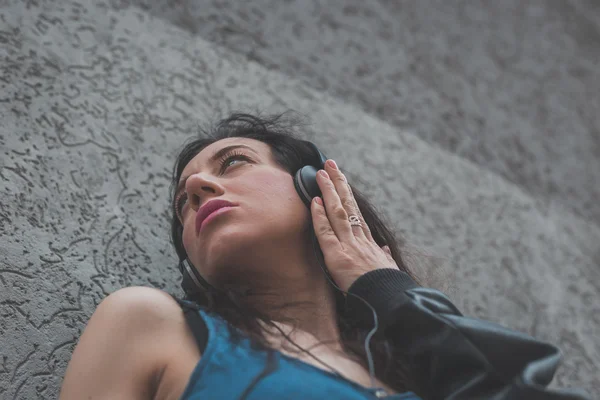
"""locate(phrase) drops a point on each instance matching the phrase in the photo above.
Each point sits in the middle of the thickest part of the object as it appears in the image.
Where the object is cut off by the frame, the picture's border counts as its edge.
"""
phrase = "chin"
(222, 241)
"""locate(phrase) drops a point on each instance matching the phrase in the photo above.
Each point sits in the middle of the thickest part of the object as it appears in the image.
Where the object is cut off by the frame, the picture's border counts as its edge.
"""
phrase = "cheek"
(274, 191)
(279, 202)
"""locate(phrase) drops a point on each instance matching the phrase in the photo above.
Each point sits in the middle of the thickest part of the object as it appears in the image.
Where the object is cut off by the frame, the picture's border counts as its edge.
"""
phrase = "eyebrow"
(216, 155)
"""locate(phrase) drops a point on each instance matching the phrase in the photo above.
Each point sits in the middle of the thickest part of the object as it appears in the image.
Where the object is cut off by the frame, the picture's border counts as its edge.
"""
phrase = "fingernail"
(324, 174)
(332, 164)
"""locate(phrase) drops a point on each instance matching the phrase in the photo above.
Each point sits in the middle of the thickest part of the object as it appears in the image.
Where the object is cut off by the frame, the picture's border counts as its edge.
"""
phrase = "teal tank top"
(226, 369)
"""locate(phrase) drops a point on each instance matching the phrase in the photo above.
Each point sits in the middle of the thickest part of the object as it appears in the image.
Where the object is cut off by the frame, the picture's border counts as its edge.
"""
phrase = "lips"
(208, 209)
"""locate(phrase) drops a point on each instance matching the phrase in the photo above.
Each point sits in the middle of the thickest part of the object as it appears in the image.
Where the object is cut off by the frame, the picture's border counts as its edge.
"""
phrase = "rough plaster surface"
(95, 100)
(512, 85)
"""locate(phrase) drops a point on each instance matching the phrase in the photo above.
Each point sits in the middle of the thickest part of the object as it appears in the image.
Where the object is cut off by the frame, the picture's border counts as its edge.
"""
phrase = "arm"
(117, 356)
(455, 357)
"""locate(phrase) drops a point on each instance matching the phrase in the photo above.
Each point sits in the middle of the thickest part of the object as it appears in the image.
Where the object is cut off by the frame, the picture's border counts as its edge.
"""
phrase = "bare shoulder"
(158, 323)
(126, 345)
(161, 319)
(146, 314)
(142, 304)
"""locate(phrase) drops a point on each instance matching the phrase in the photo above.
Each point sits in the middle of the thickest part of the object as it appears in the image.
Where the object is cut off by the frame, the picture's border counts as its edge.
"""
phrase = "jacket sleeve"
(453, 356)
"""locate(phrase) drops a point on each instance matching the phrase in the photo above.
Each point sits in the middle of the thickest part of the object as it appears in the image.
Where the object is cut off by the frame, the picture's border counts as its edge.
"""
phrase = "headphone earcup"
(305, 179)
(191, 280)
(187, 284)
(306, 184)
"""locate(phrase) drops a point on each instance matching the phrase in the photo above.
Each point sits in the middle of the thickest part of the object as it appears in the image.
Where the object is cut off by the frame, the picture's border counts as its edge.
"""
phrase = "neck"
(298, 298)
(309, 320)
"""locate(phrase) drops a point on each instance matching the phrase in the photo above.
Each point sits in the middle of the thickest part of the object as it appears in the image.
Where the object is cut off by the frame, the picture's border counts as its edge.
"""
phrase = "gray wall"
(474, 128)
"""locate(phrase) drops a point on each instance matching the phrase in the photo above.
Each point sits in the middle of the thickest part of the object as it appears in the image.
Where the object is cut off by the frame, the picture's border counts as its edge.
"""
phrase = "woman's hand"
(349, 251)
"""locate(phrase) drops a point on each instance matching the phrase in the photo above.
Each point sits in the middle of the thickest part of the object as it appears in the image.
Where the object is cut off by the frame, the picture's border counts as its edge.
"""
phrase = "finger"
(336, 213)
(388, 252)
(347, 199)
(325, 234)
(365, 227)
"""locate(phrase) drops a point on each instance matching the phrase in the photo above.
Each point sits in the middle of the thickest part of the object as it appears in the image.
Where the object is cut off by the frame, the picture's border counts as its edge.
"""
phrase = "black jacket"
(456, 357)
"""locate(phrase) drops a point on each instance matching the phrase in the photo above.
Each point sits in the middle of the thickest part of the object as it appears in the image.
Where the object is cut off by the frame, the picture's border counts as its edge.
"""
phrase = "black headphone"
(305, 182)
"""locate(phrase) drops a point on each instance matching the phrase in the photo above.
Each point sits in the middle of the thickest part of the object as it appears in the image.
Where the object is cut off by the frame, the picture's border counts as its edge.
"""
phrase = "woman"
(275, 283)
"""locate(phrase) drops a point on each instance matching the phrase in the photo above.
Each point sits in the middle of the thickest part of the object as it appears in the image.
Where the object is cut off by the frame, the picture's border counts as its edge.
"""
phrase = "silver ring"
(354, 220)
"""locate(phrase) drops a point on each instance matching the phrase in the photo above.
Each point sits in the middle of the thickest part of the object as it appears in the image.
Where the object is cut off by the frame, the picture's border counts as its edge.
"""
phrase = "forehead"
(200, 162)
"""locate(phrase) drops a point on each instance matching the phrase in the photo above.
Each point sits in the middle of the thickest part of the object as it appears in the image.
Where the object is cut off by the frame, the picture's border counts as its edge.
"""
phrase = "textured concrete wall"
(96, 98)
(511, 85)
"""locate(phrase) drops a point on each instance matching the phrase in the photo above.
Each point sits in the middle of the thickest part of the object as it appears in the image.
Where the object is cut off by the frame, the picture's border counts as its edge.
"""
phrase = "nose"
(200, 185)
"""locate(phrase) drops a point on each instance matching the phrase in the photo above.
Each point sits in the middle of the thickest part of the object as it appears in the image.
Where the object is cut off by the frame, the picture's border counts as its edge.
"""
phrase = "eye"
(231, 156)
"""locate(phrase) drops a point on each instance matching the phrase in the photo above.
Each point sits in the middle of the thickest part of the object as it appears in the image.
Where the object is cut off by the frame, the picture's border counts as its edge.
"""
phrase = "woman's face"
(268, 222)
